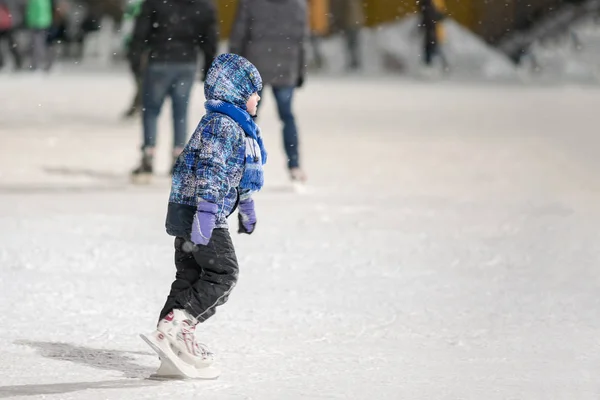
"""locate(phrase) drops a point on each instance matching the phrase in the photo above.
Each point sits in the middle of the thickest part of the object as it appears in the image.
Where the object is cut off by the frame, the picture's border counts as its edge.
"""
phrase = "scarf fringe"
(253, 178)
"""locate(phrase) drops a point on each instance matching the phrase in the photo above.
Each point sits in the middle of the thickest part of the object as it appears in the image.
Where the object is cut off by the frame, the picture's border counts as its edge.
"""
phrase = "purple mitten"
(246, 216)
(204, 222)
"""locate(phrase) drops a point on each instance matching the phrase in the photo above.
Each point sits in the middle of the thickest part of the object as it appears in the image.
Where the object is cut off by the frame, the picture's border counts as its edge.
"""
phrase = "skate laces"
(200, 349)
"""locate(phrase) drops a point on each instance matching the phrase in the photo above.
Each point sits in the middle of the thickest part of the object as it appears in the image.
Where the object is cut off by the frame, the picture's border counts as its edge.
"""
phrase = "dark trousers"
(315, 43)
(136, 104)
(162, 80)
(39, 49)
(283, 97)
(205, 276)
(12, 47)
(353, 47)
(432, 49)
(137, 72)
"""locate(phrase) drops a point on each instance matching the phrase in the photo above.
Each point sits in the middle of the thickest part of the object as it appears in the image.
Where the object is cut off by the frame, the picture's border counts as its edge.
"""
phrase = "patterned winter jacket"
(212, 163)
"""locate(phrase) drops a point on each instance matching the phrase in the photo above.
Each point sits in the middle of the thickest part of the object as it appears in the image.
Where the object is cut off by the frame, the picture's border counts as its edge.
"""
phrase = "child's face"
(252, 104)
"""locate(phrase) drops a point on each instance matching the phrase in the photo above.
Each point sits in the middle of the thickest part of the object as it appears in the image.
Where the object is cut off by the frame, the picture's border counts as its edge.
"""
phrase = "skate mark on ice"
(60, 188)
(95, 181)
(86, 172)
(109, 360)
(122, 177)
(365, 328)
(60, 388)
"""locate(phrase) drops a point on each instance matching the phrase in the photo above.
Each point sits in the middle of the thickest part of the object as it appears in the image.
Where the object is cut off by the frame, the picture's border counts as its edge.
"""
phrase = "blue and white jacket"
(212, 163)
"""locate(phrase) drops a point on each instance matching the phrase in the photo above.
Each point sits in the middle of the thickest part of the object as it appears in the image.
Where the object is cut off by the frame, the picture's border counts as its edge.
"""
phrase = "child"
(218, 170)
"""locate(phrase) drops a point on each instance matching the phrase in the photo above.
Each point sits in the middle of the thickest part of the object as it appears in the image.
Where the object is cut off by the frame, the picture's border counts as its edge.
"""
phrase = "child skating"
(219, 169)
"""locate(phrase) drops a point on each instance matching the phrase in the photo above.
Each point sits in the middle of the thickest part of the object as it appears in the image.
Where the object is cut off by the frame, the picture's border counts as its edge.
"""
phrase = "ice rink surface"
(447, 248)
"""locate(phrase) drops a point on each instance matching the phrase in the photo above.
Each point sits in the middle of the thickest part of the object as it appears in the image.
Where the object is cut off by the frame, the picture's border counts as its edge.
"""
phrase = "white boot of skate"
(174, 341)
(298, 180)
(179, 327)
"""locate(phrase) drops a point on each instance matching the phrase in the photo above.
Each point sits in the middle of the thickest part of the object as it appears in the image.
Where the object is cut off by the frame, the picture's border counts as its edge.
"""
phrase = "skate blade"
(185, 371)
(166, 372)
(158, 377)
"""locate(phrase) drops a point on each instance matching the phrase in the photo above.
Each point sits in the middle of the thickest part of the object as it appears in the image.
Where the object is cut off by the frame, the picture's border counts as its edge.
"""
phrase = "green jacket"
(39, 14)
(133, 9)
(131, 12)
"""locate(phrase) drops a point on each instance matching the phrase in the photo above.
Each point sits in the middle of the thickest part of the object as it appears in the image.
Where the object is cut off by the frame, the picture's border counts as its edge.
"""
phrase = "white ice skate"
(298, 180)
(176, 345)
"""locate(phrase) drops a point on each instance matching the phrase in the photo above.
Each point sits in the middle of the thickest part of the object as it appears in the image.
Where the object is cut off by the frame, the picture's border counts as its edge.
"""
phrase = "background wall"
(488, 18)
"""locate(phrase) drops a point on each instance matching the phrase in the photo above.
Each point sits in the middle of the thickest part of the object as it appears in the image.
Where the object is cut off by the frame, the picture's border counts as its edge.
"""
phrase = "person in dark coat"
(171, 34)
(272, 34)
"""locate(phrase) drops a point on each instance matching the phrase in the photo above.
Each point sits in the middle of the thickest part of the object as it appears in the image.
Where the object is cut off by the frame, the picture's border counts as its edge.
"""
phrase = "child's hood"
(233, 79)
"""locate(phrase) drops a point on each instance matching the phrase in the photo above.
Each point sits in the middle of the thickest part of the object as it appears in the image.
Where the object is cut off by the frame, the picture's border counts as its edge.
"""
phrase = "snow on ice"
(447, 247)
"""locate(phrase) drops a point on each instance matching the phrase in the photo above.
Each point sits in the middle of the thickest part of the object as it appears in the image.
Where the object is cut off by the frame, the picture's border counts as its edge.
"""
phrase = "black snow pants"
(205, 276)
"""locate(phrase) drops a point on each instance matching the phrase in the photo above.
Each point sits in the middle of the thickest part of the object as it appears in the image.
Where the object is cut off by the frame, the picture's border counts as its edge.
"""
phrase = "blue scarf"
(256, 155)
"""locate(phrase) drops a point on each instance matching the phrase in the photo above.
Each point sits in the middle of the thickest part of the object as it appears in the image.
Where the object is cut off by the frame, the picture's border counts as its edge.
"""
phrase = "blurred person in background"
(349, 17)
(319, 26)
(11, 18)
(91, 22)
(170, 33)
(38, 19)
(58, 31)
(433, 12)
(131, 12)
(272, 34)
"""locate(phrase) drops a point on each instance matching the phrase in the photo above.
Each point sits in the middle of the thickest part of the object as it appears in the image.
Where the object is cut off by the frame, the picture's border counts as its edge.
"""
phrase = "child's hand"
(246, 216)
(204, 223)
